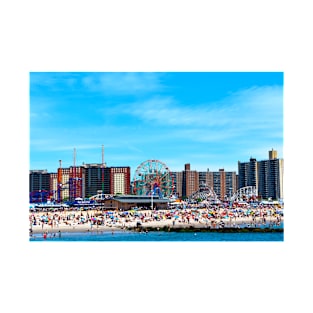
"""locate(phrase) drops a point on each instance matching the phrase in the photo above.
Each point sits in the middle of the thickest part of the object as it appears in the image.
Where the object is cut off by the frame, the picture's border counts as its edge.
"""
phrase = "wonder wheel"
(153, 176)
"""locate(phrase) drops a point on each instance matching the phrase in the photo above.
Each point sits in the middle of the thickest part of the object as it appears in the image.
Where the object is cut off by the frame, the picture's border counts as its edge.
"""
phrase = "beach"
(92, 220)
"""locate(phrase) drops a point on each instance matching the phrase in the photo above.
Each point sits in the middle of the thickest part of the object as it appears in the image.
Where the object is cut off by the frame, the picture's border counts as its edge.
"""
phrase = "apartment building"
(120, 180)
(97, 179)
(39, 180)
(265, 175)
(190, 181)
(39, 186)
(178, 183)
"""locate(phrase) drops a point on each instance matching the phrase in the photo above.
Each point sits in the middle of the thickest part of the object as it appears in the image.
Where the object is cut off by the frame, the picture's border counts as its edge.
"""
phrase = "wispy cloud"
(108, 83)
(123, 83)
(54, 80)
(253, 108)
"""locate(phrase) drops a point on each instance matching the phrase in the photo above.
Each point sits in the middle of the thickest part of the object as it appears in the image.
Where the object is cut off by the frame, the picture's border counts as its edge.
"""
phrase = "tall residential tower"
(265, 175)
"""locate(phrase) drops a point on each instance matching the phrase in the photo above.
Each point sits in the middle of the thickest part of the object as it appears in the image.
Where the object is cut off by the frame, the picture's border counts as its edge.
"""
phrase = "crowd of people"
(214, 216)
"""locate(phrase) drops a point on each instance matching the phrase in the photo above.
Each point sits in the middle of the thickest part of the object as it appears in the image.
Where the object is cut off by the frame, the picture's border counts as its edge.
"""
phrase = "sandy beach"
(97, 221)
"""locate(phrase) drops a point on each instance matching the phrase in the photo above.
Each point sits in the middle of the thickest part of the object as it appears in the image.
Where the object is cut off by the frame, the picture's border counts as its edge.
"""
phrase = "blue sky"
(210, 120)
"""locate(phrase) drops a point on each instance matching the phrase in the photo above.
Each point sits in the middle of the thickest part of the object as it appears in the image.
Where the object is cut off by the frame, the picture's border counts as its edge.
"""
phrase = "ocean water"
(160, 236)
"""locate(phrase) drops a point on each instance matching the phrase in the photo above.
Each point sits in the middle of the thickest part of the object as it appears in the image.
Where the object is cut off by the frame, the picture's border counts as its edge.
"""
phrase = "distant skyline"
(210, 120)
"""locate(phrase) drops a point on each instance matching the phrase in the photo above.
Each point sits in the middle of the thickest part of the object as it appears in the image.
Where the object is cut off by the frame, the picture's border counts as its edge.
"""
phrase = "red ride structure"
(59, 187)
(75, 180)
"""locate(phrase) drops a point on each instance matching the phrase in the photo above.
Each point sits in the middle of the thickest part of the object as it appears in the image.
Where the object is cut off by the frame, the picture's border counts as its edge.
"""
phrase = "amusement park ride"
(40, 196)
(153, 177)
(73, 185)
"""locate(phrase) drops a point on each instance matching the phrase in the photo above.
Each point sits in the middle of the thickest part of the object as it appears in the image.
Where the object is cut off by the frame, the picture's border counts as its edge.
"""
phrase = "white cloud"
(255, 108)
(123, 83)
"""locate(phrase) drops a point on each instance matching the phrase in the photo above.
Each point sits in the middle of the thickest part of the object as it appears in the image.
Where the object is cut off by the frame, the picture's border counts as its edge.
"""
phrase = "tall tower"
(75, 180)
(270, 174)
(248, 173)
(60, 181)
(272, 154)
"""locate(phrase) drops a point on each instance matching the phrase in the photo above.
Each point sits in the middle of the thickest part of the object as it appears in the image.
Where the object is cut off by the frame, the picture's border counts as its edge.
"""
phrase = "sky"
(211, 120)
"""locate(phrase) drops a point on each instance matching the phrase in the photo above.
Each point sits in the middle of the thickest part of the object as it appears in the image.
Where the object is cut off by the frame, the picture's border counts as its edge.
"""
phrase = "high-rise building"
(106, 180)
(224, 184)
(67, 184)
(270, 177)
(39, 180)
(76, 185)
(265, 175)
(190, 181)
(63, 179)
(204, 178)
(39, 186)
(178, 183)
(97, 179)
(247, 173)
(54, 185)
(120, 180)
(230, 184)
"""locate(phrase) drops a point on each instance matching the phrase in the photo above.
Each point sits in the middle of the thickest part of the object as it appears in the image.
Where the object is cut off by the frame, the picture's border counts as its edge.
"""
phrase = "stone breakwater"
(209, 229)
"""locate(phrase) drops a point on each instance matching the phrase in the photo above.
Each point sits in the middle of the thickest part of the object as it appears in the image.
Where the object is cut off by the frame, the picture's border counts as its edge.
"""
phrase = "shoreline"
(155, 228)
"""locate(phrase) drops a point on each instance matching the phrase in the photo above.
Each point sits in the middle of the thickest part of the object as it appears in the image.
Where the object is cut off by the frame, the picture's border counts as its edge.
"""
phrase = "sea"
(159, 236)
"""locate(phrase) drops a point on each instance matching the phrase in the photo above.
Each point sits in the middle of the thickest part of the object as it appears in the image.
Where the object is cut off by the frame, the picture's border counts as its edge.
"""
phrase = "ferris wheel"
(153, 176)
